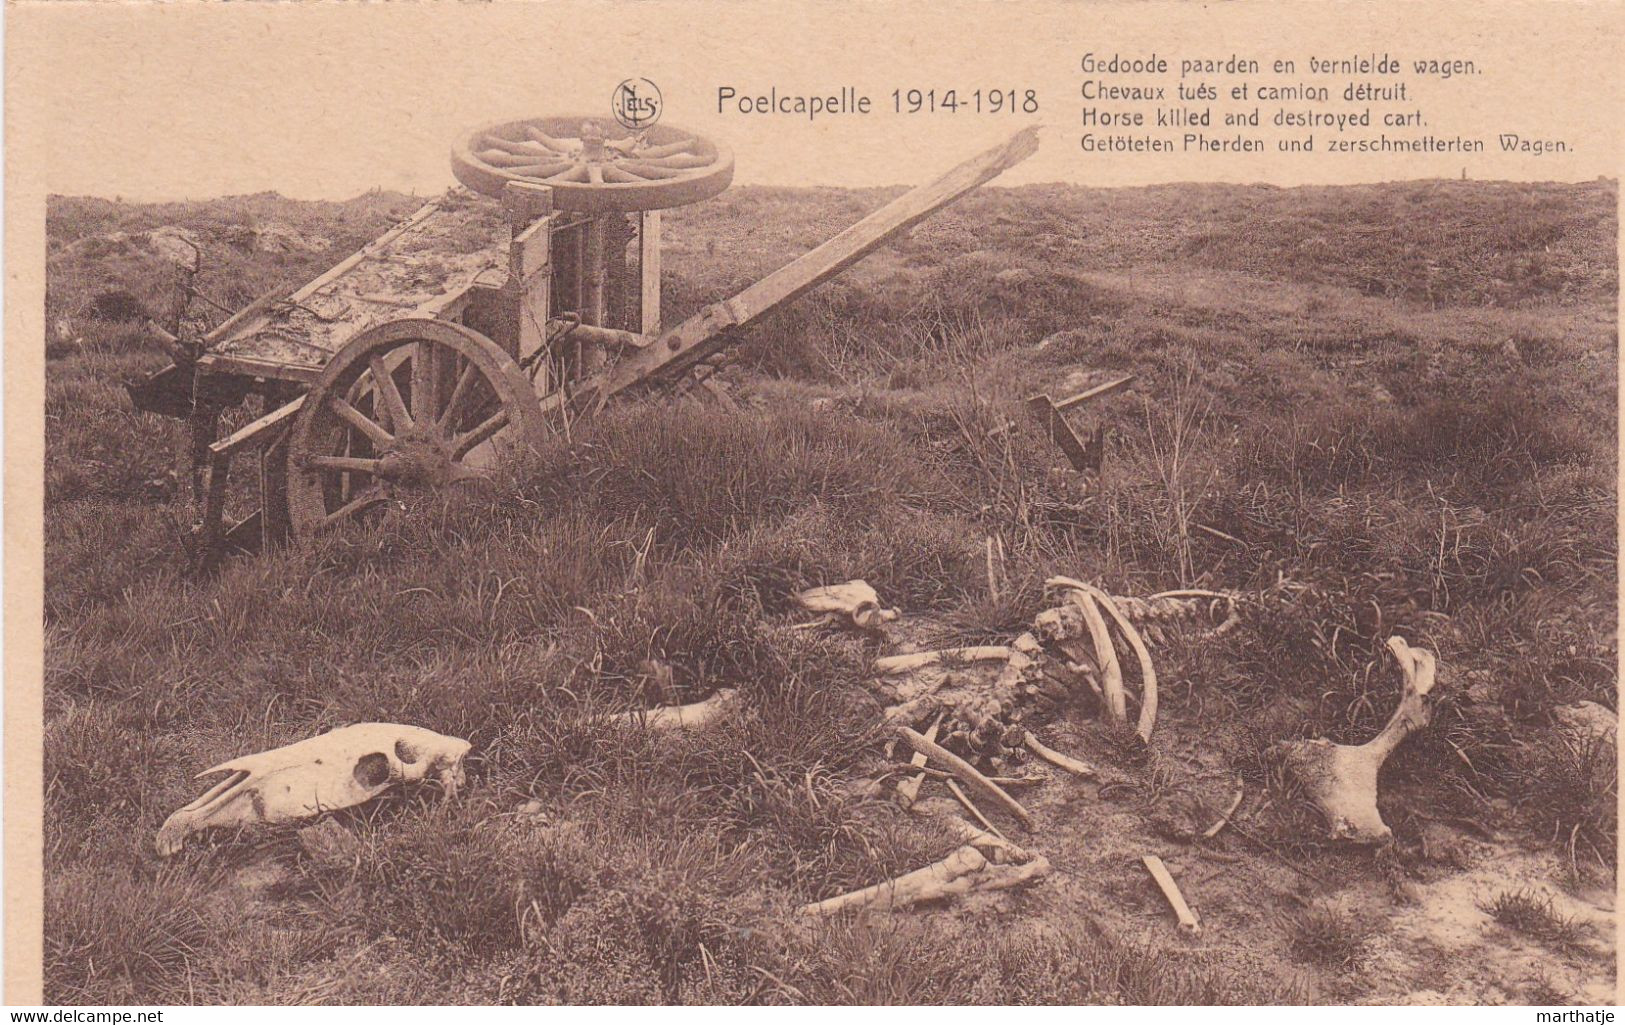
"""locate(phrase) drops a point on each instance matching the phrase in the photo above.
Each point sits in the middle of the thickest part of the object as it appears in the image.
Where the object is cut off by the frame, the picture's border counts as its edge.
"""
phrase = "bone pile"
(977, 700)
(1087, 639)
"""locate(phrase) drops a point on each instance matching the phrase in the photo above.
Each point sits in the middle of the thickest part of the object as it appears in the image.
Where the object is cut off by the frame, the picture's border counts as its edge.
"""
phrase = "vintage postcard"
(1046, 503)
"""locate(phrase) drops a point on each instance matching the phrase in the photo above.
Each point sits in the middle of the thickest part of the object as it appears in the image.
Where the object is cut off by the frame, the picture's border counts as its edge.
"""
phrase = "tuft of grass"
(1331, 936)
(1570, 788)
(1535, 915)
(115, 936)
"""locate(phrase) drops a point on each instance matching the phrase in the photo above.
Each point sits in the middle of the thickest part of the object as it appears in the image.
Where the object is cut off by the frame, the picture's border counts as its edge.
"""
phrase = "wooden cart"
(488, 320)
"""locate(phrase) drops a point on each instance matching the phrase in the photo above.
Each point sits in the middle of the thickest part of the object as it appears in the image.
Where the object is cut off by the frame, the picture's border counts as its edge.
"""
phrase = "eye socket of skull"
(407, 752)
(372, 770)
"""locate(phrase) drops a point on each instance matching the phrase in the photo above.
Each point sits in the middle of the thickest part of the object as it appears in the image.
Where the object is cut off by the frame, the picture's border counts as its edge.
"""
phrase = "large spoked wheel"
(411, 405)
(594, 166)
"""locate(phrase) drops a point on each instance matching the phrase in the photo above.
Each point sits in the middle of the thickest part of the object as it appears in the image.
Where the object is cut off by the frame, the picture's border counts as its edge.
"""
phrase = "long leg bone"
(893, 664)
(1342, 779)
(964, 871)
(1056, 758)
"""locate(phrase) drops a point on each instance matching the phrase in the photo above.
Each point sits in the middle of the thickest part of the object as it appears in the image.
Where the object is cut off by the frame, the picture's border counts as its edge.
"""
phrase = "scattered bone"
(970, 806)
(908, 790)
(1003, 781)
(855, 600)
(1224, 820)
(892, 665)
(695, 716)
(339, 769)
(1587, 722)
(964, 871)
(995, 567)
(996, 847)
(1342, 779)
(1188, 922)
(986, 861)
(968, 773)
(1056, 758)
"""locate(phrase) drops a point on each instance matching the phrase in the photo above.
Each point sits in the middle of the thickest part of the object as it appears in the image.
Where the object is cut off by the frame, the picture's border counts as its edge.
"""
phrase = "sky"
(327, 100)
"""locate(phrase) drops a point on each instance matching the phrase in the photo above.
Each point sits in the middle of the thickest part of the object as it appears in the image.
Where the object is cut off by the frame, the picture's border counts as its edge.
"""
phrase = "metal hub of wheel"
(411, 405)
(594, 165)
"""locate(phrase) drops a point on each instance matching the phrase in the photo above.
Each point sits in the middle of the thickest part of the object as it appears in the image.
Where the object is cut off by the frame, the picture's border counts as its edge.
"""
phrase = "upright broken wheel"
(410, 405)
(594, 165)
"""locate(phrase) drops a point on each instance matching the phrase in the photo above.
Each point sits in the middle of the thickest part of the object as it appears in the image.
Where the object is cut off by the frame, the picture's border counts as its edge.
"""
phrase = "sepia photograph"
(863, 504)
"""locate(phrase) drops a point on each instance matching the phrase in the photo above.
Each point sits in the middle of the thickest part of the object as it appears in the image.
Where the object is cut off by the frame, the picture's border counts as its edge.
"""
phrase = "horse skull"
(339, 769)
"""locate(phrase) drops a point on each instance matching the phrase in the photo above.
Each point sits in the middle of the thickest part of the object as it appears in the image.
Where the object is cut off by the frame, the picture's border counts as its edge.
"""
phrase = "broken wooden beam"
(704, 333)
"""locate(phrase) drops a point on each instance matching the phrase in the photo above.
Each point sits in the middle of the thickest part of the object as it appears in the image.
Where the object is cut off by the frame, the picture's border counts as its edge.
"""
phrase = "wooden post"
(530, 265)
(596, 259)
(649, 270)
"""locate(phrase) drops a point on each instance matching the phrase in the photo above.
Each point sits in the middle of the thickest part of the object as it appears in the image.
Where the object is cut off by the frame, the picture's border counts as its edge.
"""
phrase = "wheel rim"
(413, 405)
(594, 165)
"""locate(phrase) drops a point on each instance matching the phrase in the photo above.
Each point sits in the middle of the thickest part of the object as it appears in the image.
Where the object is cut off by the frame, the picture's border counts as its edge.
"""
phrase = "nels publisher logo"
(636, 103)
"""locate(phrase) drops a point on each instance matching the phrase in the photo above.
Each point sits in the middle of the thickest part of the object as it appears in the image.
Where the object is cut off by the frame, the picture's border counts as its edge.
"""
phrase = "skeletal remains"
(339, 769)
(978, 694)
(1342, 779)
(975, 693)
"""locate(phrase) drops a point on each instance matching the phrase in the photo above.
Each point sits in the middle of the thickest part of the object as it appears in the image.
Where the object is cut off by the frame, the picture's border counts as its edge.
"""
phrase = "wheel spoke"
(383, 385)
(371, 496)
(466, 442)
(539, 136)
(539, 170)
(668, 150)
(681, 160)
(620, 175)
(448, 418)
(651, 171)
(348, 464)
(425, 381)
(357, 419)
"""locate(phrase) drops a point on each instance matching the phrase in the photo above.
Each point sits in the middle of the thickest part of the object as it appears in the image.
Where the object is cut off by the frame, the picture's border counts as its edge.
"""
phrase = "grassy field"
(1373, 410)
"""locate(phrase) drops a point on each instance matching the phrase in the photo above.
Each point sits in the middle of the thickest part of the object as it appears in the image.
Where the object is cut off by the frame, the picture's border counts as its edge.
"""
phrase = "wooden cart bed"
(424, 266)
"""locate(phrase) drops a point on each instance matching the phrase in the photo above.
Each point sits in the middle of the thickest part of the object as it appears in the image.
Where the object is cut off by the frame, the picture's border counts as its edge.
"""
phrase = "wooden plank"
(649, 270)
(223, 364)
(529, 254)
(697, 337)
(1060, 432)
(253, 432)
(1098, 391)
